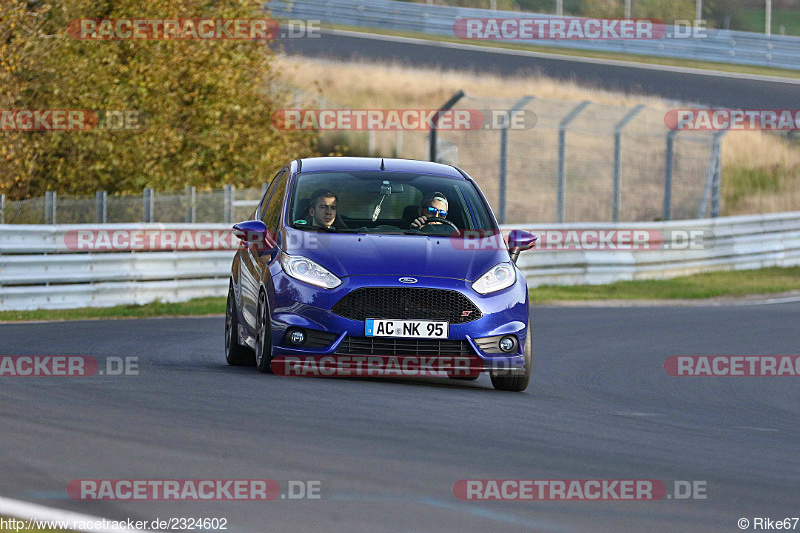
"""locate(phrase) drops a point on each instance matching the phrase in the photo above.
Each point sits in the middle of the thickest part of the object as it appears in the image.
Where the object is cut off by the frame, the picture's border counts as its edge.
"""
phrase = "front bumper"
(295, 304)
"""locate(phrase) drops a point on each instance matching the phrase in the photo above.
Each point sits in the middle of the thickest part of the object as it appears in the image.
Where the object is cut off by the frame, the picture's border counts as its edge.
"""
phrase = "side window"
(272, 212)
(263, 204)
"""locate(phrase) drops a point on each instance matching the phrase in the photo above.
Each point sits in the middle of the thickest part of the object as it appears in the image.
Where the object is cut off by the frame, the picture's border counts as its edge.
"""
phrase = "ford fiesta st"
(347, 257)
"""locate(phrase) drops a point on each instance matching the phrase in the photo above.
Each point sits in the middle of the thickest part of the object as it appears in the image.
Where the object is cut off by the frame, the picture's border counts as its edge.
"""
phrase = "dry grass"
(761, 172)
(366, 84)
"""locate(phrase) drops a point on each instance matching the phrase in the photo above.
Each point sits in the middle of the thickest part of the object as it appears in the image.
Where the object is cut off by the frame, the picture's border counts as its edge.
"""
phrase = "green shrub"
(209, 103)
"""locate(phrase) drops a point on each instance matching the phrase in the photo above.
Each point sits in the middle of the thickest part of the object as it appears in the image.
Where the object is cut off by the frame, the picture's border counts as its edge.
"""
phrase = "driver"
(322, 208)
(433, 205)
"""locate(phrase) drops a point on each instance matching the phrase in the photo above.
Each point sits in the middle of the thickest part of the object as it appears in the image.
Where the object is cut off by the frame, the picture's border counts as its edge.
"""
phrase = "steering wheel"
(439, 219)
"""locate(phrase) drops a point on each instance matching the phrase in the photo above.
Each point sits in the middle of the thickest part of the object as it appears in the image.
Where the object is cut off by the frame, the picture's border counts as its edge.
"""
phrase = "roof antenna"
(383, 167)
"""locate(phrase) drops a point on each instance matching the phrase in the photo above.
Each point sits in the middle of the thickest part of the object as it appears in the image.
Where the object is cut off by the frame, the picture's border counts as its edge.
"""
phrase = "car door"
(251, 269)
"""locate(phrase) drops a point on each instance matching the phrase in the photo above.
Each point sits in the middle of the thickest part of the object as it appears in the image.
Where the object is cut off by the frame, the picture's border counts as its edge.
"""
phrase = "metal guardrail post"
(147, 205)
(711, 187)
(50, 206)
(432, 138)
(768, 18)
(191, 204)
(701, 209)
(2, 208)
(715, 187)
(667, 211)
(501, 204)
(228, 208)
(618, 158)
(101, 207)
(562, 157)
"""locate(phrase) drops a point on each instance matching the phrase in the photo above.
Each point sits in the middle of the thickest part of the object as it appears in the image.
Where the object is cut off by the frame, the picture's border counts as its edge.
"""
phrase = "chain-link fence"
(564, 162)
(219, 205)
(582, 161)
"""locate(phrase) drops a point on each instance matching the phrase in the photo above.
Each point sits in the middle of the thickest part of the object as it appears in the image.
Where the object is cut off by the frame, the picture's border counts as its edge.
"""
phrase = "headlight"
(307, 270)
(499, 277)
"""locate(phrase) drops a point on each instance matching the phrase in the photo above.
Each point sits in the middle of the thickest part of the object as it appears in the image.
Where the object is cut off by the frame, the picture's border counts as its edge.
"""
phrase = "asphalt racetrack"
(726, 90)
(600, 406)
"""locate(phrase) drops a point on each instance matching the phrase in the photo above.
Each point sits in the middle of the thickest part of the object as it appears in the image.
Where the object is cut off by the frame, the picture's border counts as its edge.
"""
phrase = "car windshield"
(388, 202)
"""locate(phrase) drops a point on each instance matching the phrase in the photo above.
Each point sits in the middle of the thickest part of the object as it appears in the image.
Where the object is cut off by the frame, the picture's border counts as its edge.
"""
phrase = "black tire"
(263, 336)
(235, 353)
(515, 381)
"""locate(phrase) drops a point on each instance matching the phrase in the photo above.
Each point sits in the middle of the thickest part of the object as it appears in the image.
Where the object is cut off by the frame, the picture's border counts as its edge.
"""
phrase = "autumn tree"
(205, 106)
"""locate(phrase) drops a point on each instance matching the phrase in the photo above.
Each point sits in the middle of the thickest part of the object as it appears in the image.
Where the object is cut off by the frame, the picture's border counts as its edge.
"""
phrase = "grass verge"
(196, 307)
(696, 287)
(699, 286)
(652, 60)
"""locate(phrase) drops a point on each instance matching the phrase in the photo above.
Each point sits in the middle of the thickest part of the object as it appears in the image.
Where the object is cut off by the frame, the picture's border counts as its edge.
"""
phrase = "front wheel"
(515, 380)
(263, 336)
(235, 353)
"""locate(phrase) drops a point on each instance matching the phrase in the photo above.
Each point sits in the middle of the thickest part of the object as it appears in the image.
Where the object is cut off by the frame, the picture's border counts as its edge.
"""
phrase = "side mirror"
(256, 233)
(519, 241)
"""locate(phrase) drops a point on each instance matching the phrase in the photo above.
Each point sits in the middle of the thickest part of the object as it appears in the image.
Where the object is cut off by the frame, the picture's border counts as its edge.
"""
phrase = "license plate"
(427, 329)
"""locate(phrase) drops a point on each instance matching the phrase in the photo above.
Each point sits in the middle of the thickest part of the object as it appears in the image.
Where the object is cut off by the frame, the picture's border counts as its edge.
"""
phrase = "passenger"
(433, 205)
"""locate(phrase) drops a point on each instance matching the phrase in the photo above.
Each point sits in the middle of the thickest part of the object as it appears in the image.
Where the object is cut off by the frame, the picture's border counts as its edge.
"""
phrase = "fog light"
(297, 337)
(507, 344)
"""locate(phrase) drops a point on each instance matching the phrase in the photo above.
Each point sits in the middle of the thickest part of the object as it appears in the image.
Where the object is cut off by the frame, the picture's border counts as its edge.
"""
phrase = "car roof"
(319, 164)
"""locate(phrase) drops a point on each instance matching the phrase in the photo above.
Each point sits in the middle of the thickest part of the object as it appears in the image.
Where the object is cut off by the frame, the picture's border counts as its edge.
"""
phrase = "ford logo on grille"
(408, 280)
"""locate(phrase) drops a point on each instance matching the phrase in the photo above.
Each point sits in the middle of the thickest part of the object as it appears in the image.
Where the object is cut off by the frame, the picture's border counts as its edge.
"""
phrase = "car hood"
(347, 254)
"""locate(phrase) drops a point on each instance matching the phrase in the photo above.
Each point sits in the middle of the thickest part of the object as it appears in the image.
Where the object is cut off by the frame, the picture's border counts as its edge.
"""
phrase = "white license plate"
(427, 329)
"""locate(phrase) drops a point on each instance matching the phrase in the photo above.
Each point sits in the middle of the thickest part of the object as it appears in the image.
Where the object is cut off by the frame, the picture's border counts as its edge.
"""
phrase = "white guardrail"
(722, 46)
(39, 270)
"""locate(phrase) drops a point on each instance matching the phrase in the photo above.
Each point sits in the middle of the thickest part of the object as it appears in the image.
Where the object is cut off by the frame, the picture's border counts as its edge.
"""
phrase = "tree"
(602, 8)
(208, 104)
(666, 10)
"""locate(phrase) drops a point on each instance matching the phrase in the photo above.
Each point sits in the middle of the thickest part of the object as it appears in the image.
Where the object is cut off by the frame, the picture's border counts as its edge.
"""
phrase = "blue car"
(349, 256)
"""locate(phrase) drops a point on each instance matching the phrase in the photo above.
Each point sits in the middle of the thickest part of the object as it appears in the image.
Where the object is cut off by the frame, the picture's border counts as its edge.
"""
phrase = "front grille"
(390, 346)
(409, 303)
